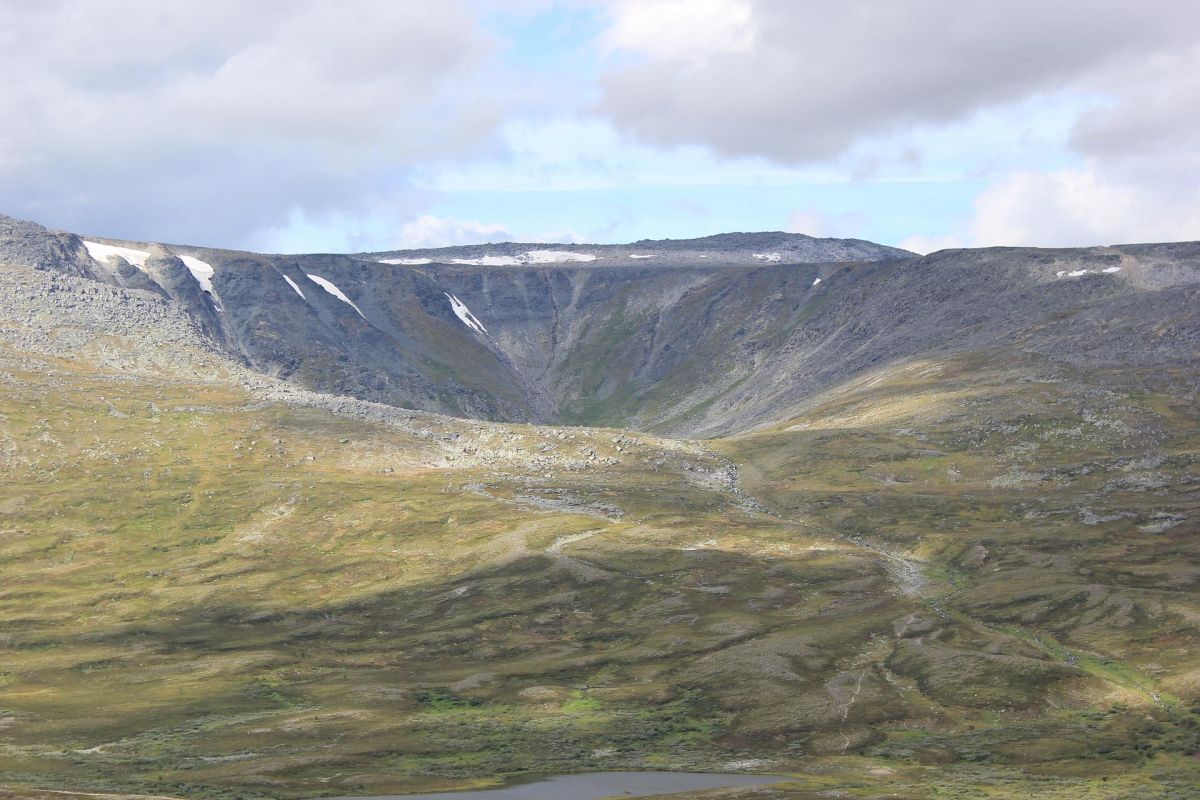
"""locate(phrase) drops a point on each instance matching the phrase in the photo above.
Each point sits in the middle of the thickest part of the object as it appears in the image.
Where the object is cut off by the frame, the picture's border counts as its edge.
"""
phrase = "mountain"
(393, 336)
(891, 525)
(700, 337)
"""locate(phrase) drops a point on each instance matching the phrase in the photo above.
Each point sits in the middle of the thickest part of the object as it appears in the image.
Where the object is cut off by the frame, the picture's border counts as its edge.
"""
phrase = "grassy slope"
(205, 596)
(1055, 516)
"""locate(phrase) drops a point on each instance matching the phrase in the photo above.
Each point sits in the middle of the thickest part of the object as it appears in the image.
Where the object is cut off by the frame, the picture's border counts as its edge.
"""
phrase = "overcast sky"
(313, 125)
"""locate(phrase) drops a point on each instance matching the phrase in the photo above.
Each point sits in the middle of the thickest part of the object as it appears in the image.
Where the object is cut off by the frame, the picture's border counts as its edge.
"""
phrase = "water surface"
(594, 785)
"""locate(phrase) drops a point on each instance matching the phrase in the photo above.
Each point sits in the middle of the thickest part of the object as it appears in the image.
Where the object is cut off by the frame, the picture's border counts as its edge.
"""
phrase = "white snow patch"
(488, 261)
(335, 291)
(532, 257)
(411, 262)
(1075, 273)
(101, 252)
(818, 280)
(768, 256)
(463, 313)
(292, 284)
(557, 256)
(637, 255)
(200, 270)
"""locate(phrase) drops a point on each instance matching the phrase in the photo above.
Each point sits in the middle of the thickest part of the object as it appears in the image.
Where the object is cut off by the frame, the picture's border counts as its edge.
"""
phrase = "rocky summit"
(881, 524)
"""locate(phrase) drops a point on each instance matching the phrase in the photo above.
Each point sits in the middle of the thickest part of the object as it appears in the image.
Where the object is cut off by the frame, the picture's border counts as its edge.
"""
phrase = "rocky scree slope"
(704, 337)
(62, 326)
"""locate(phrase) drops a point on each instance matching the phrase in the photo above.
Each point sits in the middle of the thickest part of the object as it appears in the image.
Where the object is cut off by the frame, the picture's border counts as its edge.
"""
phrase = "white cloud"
(214, 121)
(817, 77)
(1094, 204)
(1155, 109)
(799, 83)
(1081, 207)
(430, 231)
(303, 124)
(689, 30)
(1138, 179)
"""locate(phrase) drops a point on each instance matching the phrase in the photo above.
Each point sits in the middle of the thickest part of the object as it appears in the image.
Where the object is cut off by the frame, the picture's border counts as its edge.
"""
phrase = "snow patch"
(556, 256)
(200, 270)
(532, 257)
(335, 291)
(292, 284)
(637, 255)
(1075, 273)
(410, 262)
(768, 256)
(101, 252)
(463, 313)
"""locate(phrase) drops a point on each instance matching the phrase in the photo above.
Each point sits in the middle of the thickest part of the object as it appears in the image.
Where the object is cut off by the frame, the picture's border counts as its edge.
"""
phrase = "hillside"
(702, 337)
(924, 527)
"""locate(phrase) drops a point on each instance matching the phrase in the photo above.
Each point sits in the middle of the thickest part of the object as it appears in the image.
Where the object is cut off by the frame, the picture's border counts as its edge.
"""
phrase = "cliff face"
(704, 337)
(709, 351)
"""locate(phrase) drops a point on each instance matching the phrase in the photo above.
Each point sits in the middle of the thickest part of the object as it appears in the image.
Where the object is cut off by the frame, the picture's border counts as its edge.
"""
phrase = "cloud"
(652, 27)
(1138, 176)
(215, 121)
(430, 231)
(1156, 109)
(1082, 207)
(305, 124)
(796, 83)
(1095, 204)
(805, 81)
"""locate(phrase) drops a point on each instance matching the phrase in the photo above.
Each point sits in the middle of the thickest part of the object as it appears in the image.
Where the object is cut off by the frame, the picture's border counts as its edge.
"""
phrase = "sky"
(356, 125)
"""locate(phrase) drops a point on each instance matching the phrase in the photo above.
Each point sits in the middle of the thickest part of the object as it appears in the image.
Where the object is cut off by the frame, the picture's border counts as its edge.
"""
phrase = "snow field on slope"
(328, 286)
(463, 313)
(101, 252)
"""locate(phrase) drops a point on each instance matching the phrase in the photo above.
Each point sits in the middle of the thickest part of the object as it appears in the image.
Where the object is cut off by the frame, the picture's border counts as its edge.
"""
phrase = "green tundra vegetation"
(966, 577)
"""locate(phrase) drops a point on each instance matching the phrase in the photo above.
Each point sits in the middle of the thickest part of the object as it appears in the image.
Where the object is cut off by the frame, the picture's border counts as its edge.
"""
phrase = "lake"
(593, 785)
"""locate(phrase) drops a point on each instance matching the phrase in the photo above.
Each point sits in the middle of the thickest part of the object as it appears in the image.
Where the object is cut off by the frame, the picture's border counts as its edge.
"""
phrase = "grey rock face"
(30, 245)
(700, 337)
(709, 351)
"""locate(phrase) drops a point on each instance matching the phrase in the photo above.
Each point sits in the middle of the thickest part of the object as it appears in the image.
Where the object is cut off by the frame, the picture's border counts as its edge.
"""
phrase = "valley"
(892, 526)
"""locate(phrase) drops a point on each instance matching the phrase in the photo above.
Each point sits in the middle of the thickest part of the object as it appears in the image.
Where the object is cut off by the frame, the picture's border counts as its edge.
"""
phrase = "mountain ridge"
(671, 342)
(796, 246)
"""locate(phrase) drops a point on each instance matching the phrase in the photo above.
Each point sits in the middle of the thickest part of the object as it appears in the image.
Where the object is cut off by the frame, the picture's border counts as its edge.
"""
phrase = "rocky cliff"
(700, 337)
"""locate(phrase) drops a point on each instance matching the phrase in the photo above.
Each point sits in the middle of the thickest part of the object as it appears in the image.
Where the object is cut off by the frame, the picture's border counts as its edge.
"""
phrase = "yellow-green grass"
(204, 595)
